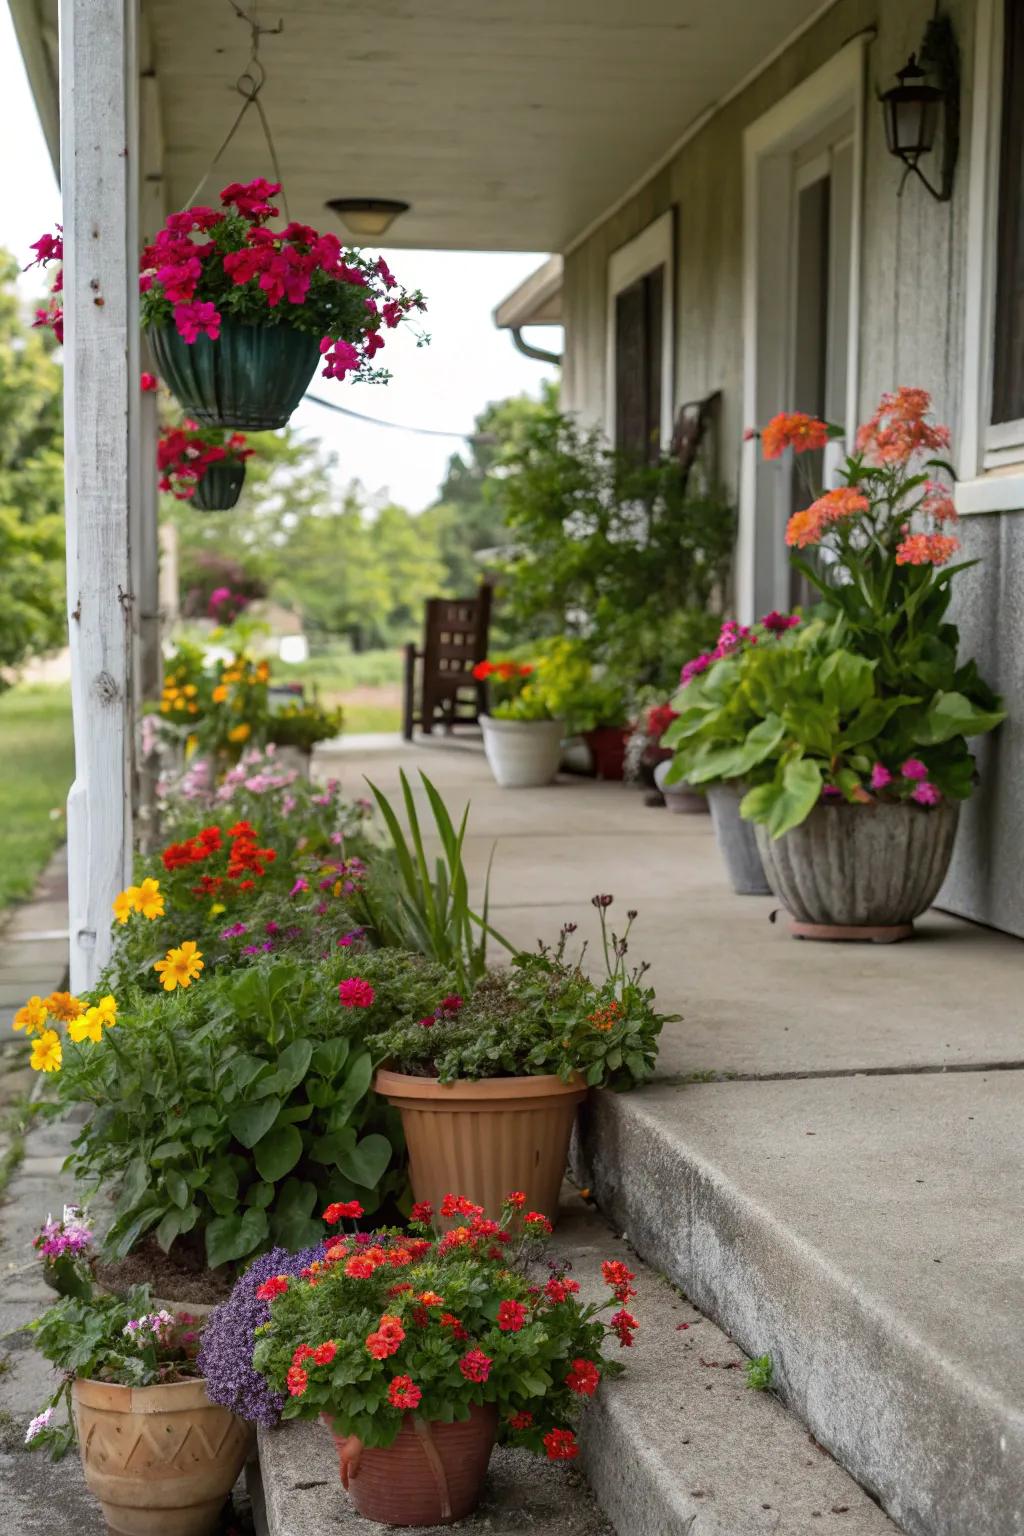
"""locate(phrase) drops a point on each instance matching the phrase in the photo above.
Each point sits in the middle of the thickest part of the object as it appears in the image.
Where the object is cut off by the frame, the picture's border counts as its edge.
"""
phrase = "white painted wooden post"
(99, 175)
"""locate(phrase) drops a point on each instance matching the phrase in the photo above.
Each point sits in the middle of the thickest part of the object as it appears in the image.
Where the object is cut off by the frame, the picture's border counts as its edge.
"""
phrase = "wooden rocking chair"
(454, 639)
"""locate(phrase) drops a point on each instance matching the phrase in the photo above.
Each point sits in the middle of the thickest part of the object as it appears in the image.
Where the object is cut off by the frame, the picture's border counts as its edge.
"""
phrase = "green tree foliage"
(32, 593)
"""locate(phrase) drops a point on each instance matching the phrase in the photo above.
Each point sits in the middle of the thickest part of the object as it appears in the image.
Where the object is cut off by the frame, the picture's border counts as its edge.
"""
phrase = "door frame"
(652, 247)
(770, 146)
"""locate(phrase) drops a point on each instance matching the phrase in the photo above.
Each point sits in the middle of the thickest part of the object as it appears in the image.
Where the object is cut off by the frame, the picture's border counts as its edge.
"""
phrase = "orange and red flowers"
(516, 1199)
(807, 527)
(521, 1420)
(275, 1286)
(459, 1205)
(297, 1380)
(898, 429)
(793, 429)
(559, 1288)
(511, 1316)
(422, 1213)
(354, 992)
(583, 1378)
(324, 1353)
(623, 1324)
(617, 1277)
(926, 549)
(404, 1393)
(343, 1210)
(360, 1267)
(560, 1445)
(475, 1365)
(537, 1222)
(449, 1320)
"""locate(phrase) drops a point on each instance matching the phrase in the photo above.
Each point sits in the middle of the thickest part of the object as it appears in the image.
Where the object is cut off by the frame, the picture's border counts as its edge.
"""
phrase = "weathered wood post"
(99, 180)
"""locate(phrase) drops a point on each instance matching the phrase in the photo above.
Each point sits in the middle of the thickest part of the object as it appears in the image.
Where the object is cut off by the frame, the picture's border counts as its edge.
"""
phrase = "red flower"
(583, 1378)
(537, 1221)
(624, 1325)
(390, 1327)
(459, 1205)
(561, 1289)
(449, 1320)
(380, 1347)
(483, 670)
(516, 1198)
(617, 1278)
(511, 1316)
(297, 1380)
(325, 1353)
(793, 429)
(354, 992)
(475, 1365)
(275, 1286)
(422, 1212)
(302, 1354)
(451, 1004)
(148, 382)
(560, 1445)
(521, 1420)
(360, 1267)
(343, 1210)
(404, 1393)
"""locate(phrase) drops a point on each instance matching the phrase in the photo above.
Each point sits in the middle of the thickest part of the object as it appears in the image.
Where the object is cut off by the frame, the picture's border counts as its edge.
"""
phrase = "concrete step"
(866, 1231)
(677, 1446)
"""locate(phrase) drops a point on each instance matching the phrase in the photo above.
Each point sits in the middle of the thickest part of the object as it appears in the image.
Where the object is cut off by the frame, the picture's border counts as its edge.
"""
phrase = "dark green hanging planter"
(250, 379)
(220, 486)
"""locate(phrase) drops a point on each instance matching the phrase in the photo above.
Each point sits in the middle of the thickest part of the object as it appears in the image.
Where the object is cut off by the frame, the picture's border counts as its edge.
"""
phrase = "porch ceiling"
(506, 124)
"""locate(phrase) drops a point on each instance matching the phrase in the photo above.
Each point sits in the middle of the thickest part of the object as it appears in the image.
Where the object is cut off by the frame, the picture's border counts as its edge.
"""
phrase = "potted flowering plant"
(65, 1247)
(857, 754)
(488, 1084)
(522, 738)
(418, 1351)
(156, 1452)
(206, 467)
(238, 314)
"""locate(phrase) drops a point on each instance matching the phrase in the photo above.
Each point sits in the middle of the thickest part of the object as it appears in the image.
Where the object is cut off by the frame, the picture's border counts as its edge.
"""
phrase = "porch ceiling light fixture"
(915, 108)
(367, 216)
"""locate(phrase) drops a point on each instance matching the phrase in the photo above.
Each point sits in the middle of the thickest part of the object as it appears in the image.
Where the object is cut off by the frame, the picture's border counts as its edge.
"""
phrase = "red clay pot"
(608, 749)
(433, 1474)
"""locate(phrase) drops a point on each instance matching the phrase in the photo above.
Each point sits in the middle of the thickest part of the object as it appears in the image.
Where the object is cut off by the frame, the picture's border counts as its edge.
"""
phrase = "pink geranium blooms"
(880, 776)
(354, 992)
(913, 768)
(194, 320)
(926, 794)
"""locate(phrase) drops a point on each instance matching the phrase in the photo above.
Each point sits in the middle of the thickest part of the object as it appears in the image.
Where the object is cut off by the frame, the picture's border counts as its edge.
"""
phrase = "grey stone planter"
(861, 871)
(736, 840)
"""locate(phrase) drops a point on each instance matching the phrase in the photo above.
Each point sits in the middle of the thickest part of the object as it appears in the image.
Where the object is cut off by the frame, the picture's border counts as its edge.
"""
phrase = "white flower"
(39, 1423)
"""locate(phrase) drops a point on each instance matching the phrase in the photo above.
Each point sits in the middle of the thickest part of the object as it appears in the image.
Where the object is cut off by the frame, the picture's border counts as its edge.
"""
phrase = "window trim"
(990, 455)
(653, 247)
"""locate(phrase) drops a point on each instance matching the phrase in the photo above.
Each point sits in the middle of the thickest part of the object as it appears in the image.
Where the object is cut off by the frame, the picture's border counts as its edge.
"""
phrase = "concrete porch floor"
(853, 1205)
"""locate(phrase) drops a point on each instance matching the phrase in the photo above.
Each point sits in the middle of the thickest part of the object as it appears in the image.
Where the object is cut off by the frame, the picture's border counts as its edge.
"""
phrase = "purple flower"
(301, 884)
(776, 623)
(225, 1357)
(880, 776)
(831, 792)
(271, 928)
(926, 794)
(913, 768)
(234, 932)
(694, 668)
(250, 949)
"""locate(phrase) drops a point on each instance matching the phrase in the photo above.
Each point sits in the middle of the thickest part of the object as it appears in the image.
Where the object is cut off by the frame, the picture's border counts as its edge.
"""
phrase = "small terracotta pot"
(433, 1474)
(160, 1460)
(484, 1139)
(608, 749)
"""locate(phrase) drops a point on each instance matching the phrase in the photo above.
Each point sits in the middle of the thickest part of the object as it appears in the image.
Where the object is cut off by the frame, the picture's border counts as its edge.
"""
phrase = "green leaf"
(952, 714)
(292, 1065)
(251, 1122)
(847, 682)
(801, 791)
(331, 1148)
(278, 1152)
(260, 1193)
(330, 1056)
(243, 1069)
(222, 1189)
(174, 1224)
(292, 1223)
(233, 1237)
(176, 1187)
(367, 1162)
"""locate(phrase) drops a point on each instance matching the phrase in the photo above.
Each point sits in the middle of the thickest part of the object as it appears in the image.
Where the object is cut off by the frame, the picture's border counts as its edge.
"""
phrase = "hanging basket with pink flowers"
(238, 314)
(203, 466)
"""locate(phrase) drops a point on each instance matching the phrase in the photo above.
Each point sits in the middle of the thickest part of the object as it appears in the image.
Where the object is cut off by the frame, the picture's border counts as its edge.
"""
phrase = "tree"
(33, 612)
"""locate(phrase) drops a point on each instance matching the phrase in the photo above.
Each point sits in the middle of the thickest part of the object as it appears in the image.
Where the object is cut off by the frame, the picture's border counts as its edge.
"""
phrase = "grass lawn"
(37, 764)
(367, 685)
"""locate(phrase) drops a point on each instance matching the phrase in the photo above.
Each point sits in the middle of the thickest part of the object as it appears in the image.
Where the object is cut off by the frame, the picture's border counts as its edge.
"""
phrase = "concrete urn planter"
(681, 799)
(522, 754)
(160, 1460)
(861, 871)
(736, 840)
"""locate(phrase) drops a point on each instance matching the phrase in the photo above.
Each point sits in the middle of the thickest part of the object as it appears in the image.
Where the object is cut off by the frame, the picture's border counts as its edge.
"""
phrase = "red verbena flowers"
(354, 992)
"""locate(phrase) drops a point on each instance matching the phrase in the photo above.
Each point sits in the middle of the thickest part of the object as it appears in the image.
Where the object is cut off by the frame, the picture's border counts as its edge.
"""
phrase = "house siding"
(911, 332)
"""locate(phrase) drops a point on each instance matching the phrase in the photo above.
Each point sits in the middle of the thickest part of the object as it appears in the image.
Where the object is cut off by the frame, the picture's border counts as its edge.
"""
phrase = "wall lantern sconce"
(915, 109)
(369, 217)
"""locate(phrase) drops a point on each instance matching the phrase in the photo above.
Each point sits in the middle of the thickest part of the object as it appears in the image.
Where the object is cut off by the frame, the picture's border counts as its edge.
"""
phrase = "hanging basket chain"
(249, 85)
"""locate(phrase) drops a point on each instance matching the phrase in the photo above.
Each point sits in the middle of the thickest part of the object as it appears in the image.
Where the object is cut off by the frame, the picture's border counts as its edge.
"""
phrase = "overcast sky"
(467, 364)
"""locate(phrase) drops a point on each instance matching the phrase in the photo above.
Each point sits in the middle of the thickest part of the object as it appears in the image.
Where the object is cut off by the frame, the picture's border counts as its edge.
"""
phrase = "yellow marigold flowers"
(64, 1006)
(144, 898)
(47, 1054)
(32, 1017)
(180, 967)
(239, 732)
(220, 693)
(91, 1024)
(106, 1011)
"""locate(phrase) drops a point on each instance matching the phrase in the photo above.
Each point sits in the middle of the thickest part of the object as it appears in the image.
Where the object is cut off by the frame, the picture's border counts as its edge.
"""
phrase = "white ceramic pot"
(681, 798)
(522, 754)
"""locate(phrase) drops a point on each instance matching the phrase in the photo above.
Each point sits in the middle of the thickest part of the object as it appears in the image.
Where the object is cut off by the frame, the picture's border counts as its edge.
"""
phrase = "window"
(638, 416)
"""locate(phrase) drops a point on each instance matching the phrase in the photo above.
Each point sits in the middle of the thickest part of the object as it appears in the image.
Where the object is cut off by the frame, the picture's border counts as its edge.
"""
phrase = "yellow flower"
(32, 1017)
(181, 966)
(126, 903)
(217, 908)
(148, 899)
(165, 708)
(239, 732)
(89, 1027)
(220, 693)
(193, 709)
(65, 1006)
(106, 1011)
(47, 1054)
(190, 690)
(191, 742)
(263, 671)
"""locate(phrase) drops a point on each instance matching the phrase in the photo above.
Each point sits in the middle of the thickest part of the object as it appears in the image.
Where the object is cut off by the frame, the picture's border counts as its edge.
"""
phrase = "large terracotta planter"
(220, 486)
(432, 1474)
(250, 379)
(861, 871)
(160, 1460)
(608, 750)
(484, 1139)
(736, 840)
(522, 754)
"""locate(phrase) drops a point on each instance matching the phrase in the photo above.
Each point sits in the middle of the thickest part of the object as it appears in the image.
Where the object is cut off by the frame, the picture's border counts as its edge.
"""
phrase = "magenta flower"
(880, 776)
(913, 768)
(354, 992)
(831, 792)
(695, 667)
(926, 794)
(270, 928)
(194, 320)
(234, 932)
(300, 885)
(777, 623)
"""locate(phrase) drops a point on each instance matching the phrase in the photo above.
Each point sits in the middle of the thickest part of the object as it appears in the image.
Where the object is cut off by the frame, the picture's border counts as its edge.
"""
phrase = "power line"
(398, 426)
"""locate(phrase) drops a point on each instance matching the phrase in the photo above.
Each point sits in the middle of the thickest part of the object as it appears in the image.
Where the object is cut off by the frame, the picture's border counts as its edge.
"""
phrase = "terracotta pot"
(522, 754)
(432, 1474)
(736, 840)
(160, 1460)
(483, 1139)
(608, 749)
(861, 871)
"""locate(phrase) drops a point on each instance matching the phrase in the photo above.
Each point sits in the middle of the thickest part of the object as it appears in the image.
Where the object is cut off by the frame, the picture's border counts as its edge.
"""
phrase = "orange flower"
(431, 1299)
(793, 429)
(64, 1006)
(360, 1267)
(898, 429)
(380, 1347)
(808, 526)
(926, 549)
(390, 1328)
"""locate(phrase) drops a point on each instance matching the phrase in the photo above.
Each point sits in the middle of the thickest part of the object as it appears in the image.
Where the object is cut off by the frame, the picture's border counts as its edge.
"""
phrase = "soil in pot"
(178, 1275)
(160, 1460)
(433, 1474)
(486, 1138)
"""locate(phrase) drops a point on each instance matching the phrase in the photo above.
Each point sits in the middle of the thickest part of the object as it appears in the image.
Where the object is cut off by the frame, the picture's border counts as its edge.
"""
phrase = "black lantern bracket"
(928, 94)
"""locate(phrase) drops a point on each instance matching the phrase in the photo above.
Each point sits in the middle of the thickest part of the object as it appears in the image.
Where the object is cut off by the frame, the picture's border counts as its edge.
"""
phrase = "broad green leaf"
(292, 1223)
(331, 1148)
(847, 682)
(259, 1194)
(952, 714)
(174, 1224)
(249, 1123)
(801, 791)
(292, 1065)
(277, 1153)
(330, 1056)
(176, 1187)
(233, 1237)
(367, 1162)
